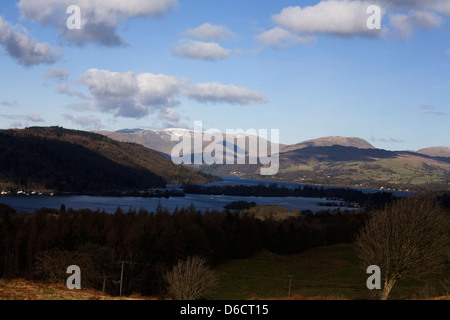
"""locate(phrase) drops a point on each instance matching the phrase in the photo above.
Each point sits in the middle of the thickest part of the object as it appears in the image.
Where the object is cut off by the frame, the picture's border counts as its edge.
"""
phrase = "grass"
(332, 272)
(21, 289)
(325, 273)
(402, 170)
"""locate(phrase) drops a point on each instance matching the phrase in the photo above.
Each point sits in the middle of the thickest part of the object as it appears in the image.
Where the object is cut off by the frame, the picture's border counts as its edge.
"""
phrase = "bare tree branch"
(191, 280)
(409, 238)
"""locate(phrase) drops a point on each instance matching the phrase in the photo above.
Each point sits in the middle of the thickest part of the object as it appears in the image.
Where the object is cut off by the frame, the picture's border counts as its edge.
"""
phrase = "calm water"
(201, 202)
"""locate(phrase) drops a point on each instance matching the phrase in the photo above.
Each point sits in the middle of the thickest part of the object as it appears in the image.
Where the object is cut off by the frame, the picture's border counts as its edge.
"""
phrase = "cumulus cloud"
(404, 24)
(443, 7)
(115, 92)
(210, 32)
(333, 17)
(99, 18)
(349, 18)
(200, 50)
(90, 122)
(278, 37)
(133, 95)
(57, 74)
(26, 50)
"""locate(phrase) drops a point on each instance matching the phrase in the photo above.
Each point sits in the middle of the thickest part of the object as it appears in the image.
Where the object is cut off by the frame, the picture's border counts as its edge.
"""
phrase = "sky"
(310, 69)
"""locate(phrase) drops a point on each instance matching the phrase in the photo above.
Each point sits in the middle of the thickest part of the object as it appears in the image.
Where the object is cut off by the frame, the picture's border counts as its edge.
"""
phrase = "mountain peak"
(332, 141)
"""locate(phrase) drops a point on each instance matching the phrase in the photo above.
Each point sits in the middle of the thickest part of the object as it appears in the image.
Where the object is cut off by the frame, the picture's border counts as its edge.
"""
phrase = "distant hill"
(334, 161)
(436, 151)
(368, 168)
(147, 138)
(329, 142)
(129, 130)
(53, 158)
(161, 140)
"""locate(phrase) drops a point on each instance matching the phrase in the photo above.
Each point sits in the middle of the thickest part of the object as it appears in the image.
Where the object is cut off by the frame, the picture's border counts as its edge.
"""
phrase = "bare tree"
(51, 266)
(409, 238)
(191, 280)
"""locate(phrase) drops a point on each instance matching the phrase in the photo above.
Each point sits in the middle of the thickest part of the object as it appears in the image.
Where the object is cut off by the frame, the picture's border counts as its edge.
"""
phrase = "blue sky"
(308, 68)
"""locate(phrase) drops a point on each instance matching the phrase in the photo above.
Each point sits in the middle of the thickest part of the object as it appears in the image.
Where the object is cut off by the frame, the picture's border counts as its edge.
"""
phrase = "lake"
(30, 203)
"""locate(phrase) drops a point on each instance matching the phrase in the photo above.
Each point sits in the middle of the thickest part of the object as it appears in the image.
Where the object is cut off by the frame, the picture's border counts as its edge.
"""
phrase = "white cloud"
(219, 93)
(115, 92)
(91, 122)
(159, 90)
(64, 89)
(57, 73)
(171, 118)
(404, 25)
(34, 117)
(427, 19)
(443, 6)
(99, 18)
(349, 18)
(333, 17)
(134, 96)
(200, 50)
(27, 51)
(210, 32)
(280, 38)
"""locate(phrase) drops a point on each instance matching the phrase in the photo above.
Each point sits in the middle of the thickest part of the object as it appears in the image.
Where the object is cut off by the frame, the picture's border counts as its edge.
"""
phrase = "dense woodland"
(43, 244)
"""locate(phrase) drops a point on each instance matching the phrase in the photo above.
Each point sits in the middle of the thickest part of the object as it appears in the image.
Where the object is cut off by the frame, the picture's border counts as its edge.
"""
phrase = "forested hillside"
(57, 159)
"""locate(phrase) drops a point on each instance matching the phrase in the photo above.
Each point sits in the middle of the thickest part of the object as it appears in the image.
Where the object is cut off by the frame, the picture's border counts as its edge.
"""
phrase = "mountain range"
(334, 161)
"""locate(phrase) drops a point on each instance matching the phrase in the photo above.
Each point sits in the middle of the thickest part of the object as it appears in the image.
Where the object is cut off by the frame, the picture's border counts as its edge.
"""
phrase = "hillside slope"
(329, 142)
(334, 161)
(436, 151)
(368, 168)
(58, 159)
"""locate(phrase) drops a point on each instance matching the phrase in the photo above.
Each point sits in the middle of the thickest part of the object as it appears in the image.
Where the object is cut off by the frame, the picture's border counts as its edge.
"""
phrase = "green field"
(328, 272)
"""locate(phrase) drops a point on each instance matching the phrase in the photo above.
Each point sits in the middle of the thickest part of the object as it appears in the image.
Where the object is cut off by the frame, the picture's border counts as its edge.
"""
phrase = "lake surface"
(31, 203)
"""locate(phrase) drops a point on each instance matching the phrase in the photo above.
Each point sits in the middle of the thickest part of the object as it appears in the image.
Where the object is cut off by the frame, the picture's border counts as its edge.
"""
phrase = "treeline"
(43, 244)
(367, 200)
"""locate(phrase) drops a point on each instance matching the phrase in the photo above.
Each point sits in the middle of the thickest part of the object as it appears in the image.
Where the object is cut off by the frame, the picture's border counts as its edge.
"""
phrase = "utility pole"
(104, 284)
(121, 278)
(290, 282)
